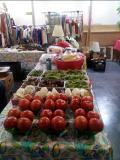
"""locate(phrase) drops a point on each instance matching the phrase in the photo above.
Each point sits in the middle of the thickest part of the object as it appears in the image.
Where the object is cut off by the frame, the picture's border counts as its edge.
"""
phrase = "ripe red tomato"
(28, 114)
(38, 98)
(49, 104)
(58, 123)
(80, 112)
(44, 123)
(87, 105)
(81, 123)
(24, 124)
(53, 97)
(24, 104)
(10, 122)
(92, 114)
(63, 96)
(59, 112)
(29, 97)
(87, 98)
(36, 105)
(75, 104)
(76, 97)
(61, 104)
(46, 113)
(14, 112)
(96, 124)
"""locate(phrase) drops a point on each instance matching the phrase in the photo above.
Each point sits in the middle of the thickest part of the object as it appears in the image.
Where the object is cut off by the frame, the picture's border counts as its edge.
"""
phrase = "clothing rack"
(71, 21)
(6, 38)
(37, 34)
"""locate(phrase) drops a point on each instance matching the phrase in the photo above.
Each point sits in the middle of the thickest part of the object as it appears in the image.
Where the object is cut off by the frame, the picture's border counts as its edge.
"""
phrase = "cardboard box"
(8, 81)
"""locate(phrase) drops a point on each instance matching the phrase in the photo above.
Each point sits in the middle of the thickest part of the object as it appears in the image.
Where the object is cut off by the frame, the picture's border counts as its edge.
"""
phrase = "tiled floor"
(106, 87)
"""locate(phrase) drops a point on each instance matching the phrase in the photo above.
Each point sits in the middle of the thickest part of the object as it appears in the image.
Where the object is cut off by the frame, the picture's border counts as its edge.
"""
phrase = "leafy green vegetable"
(36, 73)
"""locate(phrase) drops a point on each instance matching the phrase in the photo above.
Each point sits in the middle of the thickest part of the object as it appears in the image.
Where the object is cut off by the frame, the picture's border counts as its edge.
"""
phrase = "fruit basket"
(66, 65)
(69, 60)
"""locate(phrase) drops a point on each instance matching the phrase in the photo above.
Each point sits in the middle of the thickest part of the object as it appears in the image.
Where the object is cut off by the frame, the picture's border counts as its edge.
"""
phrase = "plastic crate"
(99, 64)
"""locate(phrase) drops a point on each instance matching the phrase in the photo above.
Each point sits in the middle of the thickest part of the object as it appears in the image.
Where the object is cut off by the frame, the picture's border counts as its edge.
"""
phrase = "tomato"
(44, 123)
(46, 113)
(59, 112)
(87, 98)
(36, 105)
(49, 104)
(63, 96)
(61, 104)
(76, 97)
(14, 112)
(10, 122)
(75, 104)
(28, 114)
(29, 97)
(38, 98)
(96, 124)
(24, 104)
(58, 123)
(24, 124)
(53, 97)
(80, 112)
(87, 105)
(81, 123)
(92, 114)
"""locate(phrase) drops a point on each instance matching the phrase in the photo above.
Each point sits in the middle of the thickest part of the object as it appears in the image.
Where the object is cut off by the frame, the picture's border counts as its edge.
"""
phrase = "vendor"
(3, 98)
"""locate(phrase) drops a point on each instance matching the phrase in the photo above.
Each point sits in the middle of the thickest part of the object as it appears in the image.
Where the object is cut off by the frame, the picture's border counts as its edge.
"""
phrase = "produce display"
(35, 73)
(41, 83)
(54, 101)
(65, 75)
(73, 79)
(53, 115)
(53, 112)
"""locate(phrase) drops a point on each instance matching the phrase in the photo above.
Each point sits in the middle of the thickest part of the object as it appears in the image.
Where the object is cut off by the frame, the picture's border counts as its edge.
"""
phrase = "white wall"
(104, 12)
(17, 10)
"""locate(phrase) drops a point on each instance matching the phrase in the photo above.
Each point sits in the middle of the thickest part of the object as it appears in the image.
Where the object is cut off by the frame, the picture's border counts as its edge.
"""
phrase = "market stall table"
(28, 59)
(38, 145)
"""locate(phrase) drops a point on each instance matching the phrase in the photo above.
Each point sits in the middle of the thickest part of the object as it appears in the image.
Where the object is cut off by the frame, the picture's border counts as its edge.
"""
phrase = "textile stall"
(6, 38)
(28, 33)
(71, 21)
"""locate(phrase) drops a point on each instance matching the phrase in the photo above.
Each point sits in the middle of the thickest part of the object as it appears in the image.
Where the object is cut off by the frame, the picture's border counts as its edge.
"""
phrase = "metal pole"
(33, 13)
(89, 24)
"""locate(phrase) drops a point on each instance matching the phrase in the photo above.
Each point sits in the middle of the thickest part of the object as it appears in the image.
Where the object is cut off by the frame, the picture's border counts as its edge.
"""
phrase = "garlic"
(76, 92)
(54, 91)
(20, 92)
(43, 92)
(68, 92)
(29, 89)
(49, 93)
(84, 92)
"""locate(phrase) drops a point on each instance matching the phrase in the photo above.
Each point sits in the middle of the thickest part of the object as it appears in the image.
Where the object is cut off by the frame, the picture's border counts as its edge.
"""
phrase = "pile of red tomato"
(51, 113)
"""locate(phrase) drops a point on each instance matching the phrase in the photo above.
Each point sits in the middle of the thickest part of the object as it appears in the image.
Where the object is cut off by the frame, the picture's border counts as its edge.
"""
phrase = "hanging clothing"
(44, 37)
(40, 36)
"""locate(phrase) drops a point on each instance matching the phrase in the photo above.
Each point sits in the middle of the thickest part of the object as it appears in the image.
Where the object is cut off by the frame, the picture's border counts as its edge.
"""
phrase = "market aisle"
(106, 87)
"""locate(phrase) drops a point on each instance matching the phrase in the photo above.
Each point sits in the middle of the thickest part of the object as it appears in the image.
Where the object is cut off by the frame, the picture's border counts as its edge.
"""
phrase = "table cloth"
(38, 145)
(28, 59)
